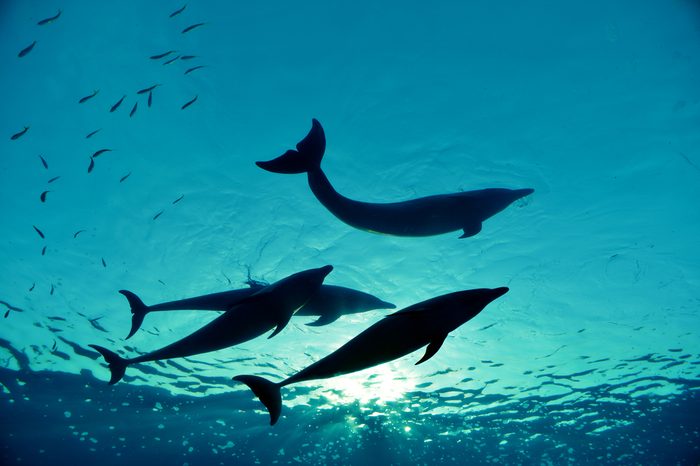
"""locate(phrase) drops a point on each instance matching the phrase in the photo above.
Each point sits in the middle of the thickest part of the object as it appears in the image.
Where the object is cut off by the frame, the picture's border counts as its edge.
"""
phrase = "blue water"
(591, 358)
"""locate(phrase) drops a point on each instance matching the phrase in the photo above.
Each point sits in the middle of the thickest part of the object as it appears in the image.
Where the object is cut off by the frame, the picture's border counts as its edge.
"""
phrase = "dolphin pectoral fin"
(432, 348)
(325, 319)
(282, 323)
(471, 230)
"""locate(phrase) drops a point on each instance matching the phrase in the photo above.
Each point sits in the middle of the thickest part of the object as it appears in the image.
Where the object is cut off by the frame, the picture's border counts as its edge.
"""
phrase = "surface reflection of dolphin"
(267, 308)
(425, 216)
(424, 323)
(329, 303)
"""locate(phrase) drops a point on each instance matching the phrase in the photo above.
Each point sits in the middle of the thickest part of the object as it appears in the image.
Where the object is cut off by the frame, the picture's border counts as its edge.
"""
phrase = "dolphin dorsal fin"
(432, 348)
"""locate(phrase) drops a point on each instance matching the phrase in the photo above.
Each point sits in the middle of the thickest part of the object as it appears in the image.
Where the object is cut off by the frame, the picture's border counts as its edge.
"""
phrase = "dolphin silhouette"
(425, 216)
(269, 307)
(329, 303)
(396, 335)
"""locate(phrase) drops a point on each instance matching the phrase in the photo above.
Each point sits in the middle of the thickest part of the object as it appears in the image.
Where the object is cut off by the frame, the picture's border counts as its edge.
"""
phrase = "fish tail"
(305, 158)
(117, 364)
(267, 392)
(138, 311)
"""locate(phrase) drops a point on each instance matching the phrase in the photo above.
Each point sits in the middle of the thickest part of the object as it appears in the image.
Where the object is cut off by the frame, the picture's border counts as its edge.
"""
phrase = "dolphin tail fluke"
(117, 364)
(138, 311)
(306, 158)
(267, 392)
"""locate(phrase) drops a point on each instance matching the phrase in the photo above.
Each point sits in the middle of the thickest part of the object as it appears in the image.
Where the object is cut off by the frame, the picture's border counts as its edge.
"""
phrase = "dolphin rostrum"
(400, 333)
(425, 216)
(270, 307)
(329, 303)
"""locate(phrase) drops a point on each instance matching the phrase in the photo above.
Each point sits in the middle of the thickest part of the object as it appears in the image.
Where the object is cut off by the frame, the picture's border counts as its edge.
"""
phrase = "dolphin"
(396, 335)
(267, 308)
(329, 303)
(425, 216)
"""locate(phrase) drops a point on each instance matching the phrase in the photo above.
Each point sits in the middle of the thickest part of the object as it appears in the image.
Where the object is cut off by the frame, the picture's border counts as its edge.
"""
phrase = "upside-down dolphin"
(425, 216)
(329, 303)
(267, 308)
(400, 333)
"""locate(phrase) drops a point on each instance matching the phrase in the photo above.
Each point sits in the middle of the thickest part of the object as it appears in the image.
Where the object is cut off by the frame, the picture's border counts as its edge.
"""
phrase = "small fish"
(52, 288)
(121, 180)
(100, 152)
(189, 103)
(26, 50)
(49, 20)
(158, 215)
(161, 55)
(133, 110)
(39, 232)
(32, 287)
(147, 89)
(177, 12)
(75, 235)
(43, 251)
(188, 57)
(20, 134)
(53, 348)
(92, 165)
(178, 199)
(88, 97)
(53, 179)
(43, 162)
(162, 282)
(150, 98)
(43, 196)
(104, 264)
(96, 323)
(7, 313)
(194, 68)
(171, 60)
(189, 28)
(116, 106)
(89, 135)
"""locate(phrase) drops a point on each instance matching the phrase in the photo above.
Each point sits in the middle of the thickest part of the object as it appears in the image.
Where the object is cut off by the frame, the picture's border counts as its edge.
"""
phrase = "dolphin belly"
(384, 341)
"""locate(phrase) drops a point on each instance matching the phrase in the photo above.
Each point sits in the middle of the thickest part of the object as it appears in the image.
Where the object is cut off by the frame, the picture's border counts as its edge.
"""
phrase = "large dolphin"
(425, 216)
(329, 303)
(400, 333)
(270, 307)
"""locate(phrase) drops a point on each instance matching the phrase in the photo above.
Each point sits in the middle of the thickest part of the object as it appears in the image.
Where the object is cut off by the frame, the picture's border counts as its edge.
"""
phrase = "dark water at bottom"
(57, 418)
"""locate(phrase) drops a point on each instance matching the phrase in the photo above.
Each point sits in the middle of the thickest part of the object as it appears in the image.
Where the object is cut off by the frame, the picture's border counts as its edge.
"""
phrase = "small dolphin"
(270, 307)
(426, 323)
(329, 303)
(425, 216)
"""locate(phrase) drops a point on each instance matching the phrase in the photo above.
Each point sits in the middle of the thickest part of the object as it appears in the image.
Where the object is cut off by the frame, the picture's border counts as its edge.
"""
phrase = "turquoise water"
(593, 355)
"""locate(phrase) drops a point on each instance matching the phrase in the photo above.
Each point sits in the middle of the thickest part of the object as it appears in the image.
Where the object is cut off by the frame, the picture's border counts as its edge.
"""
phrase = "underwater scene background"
(593, 355)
